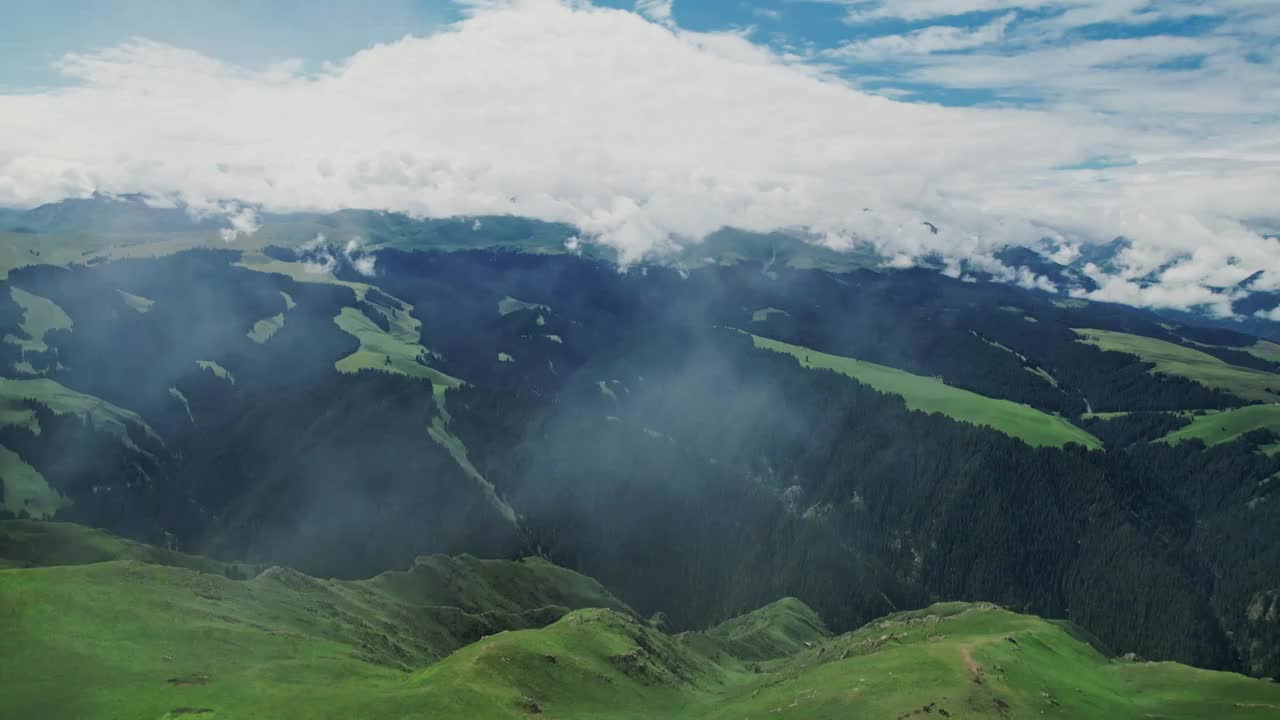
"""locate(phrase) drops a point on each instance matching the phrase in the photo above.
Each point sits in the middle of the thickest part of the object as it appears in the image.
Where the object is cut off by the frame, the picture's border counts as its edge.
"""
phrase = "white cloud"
(359, 260)
(933, 39)
(1064, 13)
(658, 11)
(243, 222)
(324, 265)
(364, 265)
(647, 137)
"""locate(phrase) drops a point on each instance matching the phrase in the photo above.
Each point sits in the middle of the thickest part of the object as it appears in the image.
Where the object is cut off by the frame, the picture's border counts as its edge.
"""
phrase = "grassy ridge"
(779, 629)
(1225, 426)
(218, 371)
(1172, 359)
(467, 638)
(16, 393)
(1266, 350)
(397, 349)
(508, 305)
(142, 640)
(40, 315)
(25, 488)
(933, 395)
(26, 543)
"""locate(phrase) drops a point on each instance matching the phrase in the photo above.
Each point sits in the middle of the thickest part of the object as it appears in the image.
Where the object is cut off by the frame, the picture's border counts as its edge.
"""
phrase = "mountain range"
(757, 475)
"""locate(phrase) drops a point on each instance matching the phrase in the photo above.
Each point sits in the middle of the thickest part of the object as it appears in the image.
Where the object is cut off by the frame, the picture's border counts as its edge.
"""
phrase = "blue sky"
(34, 35)
(650, 123)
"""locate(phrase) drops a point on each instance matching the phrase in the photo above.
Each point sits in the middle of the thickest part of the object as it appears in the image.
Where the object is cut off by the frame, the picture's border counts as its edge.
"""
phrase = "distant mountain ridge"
(130, 215)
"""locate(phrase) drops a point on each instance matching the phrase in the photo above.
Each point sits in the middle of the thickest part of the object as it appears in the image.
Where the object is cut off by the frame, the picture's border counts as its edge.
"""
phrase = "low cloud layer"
(647, 137)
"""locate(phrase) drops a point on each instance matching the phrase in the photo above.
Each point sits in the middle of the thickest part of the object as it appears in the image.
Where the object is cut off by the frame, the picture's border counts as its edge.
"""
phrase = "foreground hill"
(467, 638)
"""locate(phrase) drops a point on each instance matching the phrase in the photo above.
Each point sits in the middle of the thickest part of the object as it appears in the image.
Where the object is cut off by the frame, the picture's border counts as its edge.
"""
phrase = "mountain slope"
(930, 395)
(507, 397)
(462, 638)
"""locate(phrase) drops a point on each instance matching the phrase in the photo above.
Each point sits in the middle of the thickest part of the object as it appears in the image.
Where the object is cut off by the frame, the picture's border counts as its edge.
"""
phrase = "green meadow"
(1225, 426)
(98, 627)
(40, 315)
(397, 352)
(1189, 363)
(932, 395)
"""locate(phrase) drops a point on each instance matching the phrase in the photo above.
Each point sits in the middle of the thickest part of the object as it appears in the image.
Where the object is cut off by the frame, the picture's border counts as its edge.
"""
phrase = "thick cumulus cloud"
(647, 137)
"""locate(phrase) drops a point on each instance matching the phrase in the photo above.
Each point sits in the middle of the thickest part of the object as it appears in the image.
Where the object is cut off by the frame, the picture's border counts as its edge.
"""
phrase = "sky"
(1045, 123)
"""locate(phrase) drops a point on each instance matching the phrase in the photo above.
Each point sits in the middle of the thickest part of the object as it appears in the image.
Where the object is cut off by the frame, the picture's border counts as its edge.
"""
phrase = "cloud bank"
(647, 137)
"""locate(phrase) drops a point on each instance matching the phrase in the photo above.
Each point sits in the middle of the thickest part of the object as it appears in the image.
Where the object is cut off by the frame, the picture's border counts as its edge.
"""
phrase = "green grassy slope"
(398, 350)
(1225, 426)
(783, 628)
(386, 351)
(16, 393)
(1171, 359)
(297, 271)
(508, 305)
(263, 329)
(25, 488)
(979, 661)
(763, 314)
(467, 638)
(27, 543)
(142, 640)
(932, 395)
(40, 315)
(1266, 350)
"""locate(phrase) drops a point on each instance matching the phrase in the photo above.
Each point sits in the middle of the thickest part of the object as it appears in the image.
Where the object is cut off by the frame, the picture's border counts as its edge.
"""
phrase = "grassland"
(439, 432)
(298, 272)
(18, 249)
(508, 305)
(932, 395)
(1225, 426)
(25, 489)
(164, 635)
(763, 314)
(137, 302)
(263, 329)
(40, 315)
(1189, 363)
(15, 394)
(25, 543)
(397, 352)
(218, 371)
(176, 394)
(1266, 350)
